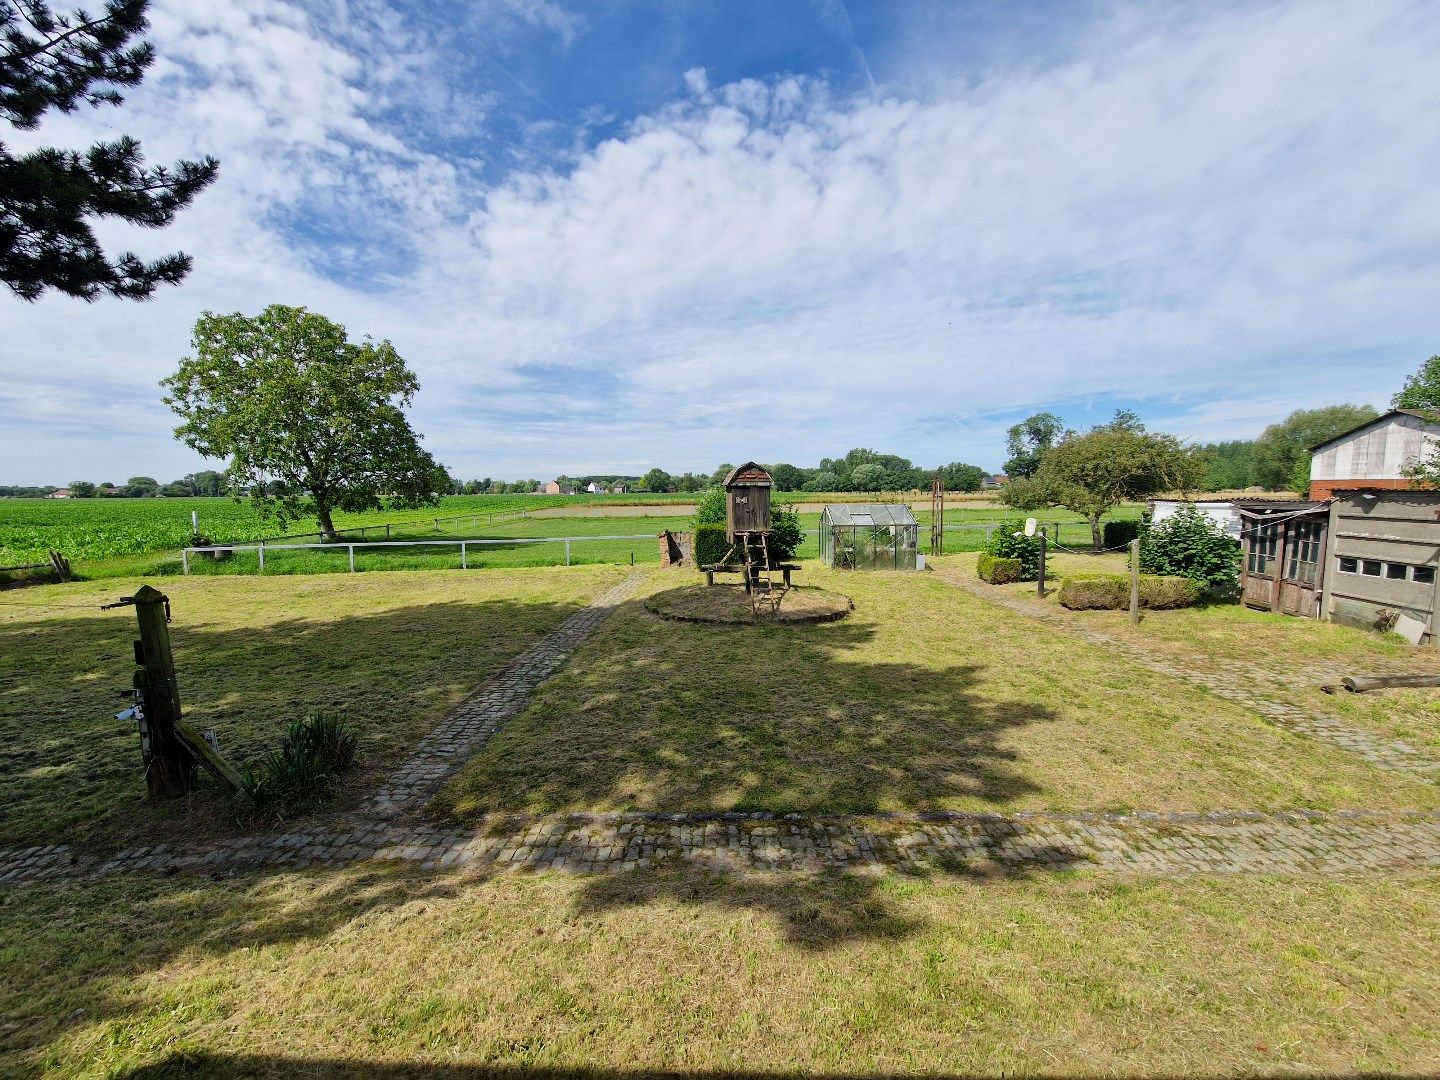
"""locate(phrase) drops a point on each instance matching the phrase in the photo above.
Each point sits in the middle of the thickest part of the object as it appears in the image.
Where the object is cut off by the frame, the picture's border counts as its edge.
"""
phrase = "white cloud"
(1220, 213)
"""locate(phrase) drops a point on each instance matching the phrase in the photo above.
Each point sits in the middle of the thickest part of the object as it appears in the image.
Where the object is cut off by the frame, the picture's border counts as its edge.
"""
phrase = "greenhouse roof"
(869, 514)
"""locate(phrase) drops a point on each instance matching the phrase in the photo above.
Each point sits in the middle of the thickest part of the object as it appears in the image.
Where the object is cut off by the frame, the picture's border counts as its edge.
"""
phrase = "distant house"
(554, 487)
(593, 488)
(990, 483)
(59, 493)
(1373, 456)
(617, 489)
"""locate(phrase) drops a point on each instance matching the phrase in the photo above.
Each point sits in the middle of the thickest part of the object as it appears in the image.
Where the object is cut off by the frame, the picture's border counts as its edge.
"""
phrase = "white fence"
(260, 548)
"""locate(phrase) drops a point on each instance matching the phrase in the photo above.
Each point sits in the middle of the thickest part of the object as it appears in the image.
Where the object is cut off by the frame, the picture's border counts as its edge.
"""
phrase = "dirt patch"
(731, 604)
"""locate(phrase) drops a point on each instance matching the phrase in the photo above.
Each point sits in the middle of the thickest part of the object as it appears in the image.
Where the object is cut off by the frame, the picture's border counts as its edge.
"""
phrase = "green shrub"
(710, 544)
(785, 534)
(710, 507)
(1009, 541)
(311, 757)
(998, 571)
(1188, 544)
(1119, 533)
(1111, 592)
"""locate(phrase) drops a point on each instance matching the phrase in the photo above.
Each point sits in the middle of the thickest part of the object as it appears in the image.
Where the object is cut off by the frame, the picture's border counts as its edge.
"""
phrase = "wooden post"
(351, 549)
(567, 552)
(1135, 580)
(262, 556)
(169, 767)
(185, 560)
(1040, 581)
(462, 556)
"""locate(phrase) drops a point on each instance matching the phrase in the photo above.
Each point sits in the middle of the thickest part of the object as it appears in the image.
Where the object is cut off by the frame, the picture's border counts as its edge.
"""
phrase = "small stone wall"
(676, 547)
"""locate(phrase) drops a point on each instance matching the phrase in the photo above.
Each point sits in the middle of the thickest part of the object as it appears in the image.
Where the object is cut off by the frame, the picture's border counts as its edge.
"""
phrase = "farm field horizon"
(104, 537)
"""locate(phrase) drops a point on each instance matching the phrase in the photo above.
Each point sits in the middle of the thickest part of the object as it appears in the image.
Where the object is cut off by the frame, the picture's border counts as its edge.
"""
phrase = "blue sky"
(610, 236)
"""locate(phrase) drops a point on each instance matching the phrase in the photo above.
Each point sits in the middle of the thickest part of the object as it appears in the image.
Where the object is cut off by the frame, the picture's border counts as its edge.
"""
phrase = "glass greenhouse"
(871, 537)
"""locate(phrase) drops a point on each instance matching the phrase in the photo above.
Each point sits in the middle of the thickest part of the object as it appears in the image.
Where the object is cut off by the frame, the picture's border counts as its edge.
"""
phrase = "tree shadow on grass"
(663, 716)
(70, 772)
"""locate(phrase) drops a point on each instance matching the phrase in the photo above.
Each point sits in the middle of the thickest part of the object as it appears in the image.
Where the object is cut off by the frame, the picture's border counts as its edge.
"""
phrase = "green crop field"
(105, 537)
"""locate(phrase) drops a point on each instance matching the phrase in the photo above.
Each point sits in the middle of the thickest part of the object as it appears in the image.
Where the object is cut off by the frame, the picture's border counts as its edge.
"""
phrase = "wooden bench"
(786, 569)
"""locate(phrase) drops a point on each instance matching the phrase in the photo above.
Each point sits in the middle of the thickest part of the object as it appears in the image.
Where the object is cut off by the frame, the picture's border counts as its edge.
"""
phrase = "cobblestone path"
(1171, 844)
(1384, 753)
(485, 712)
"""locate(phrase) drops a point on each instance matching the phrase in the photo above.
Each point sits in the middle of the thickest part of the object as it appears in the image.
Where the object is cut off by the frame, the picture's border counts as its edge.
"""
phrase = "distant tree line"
(859, 470)
(205, 483)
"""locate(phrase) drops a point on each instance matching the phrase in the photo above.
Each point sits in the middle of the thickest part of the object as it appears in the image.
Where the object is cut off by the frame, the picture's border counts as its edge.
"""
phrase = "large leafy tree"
(958, 476)
(310, 420)
(49, 196)
(1028, 441)
(1093, 473)
(1282, 452)
(657, 479)
(1421, 390)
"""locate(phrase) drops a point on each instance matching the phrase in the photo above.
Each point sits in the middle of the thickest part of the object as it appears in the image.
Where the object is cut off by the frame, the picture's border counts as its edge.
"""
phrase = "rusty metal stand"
(937, 516)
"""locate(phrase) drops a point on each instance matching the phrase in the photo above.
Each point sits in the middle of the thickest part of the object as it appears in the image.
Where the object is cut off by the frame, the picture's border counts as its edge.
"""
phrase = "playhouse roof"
(868, 514)
(749, 474)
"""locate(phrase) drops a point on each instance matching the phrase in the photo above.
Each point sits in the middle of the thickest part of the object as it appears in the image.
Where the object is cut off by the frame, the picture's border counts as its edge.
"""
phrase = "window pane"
(1370, 567)
(1425, 575)
(1349, 565)
(1396, 570)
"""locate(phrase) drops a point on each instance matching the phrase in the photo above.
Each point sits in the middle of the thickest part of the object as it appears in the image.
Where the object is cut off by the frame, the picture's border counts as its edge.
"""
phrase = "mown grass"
(925, 698)
(1290, 657)
(390, 652)
(378, 972)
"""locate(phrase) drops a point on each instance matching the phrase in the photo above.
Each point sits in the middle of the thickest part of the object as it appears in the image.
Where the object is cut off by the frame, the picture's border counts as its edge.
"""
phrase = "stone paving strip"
(1389, 754)
(1162, 844)
(471, 725)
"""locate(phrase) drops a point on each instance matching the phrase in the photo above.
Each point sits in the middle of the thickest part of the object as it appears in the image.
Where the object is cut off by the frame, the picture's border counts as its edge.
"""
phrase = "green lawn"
(925, 698)
(1290, 657)
(374, 972)
(392, 652)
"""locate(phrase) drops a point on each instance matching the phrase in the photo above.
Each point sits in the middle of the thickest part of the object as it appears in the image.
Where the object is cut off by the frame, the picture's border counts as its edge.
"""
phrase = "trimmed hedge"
(998, 571)
(1111, 592)
(710, 544)
(1119, 533)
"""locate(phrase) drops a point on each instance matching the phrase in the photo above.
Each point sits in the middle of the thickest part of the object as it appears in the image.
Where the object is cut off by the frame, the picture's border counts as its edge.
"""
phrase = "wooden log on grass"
(1359, 684)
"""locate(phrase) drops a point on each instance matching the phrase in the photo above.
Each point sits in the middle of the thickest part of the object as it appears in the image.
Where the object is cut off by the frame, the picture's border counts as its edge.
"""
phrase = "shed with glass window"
(1365, 557)
(869, 536)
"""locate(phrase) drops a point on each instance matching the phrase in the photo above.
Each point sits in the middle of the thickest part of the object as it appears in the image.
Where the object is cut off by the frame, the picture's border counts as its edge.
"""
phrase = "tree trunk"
(1097, 537)
(327, 527)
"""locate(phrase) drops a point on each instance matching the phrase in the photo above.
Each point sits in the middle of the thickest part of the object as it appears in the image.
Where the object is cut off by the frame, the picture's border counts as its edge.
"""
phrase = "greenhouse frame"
(869, 537)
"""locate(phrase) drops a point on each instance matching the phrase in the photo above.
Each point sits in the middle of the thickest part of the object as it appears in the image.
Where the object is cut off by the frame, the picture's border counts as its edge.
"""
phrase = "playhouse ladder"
(755, 544)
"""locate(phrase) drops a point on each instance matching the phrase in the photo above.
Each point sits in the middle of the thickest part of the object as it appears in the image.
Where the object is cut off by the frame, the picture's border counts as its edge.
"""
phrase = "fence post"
(567, 552)
(169, 768)
(1040, 580)
(262, 556)
(352, 558)
(462, 556)
(185, 560)
(1135, 580)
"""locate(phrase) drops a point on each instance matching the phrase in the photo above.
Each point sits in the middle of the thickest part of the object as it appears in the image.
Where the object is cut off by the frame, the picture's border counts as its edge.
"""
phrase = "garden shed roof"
(868, 514)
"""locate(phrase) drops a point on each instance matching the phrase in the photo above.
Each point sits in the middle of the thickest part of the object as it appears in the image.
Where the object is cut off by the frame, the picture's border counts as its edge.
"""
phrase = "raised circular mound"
(731, 604)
